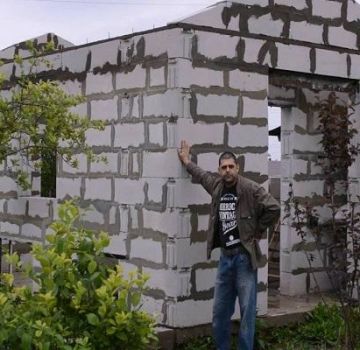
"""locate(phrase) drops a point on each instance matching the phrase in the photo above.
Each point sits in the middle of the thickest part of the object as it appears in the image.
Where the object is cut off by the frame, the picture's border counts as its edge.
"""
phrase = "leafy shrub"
(80, 303)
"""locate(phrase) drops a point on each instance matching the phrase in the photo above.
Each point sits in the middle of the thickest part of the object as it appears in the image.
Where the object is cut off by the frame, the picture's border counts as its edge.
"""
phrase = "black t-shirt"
(228, 229)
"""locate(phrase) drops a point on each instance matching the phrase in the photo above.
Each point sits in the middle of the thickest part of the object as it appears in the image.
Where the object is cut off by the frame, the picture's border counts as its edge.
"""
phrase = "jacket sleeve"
(268, 209)
(205, 178)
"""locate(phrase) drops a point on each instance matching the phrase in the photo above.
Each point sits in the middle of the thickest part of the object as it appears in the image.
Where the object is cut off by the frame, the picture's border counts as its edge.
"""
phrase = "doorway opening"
(274, 171)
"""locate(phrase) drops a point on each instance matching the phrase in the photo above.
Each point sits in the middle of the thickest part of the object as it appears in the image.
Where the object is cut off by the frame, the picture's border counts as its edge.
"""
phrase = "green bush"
(80, 303)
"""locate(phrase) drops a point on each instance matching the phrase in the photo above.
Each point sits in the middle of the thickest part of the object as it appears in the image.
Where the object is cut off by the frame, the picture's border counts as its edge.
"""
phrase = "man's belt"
(234, 251)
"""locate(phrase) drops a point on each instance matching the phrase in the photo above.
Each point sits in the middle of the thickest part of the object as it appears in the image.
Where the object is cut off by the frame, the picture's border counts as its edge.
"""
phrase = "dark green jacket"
(256, 211)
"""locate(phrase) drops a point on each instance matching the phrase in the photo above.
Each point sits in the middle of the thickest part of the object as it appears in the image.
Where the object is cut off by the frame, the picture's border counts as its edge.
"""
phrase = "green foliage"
(201, 343)
(36, 119)
(80, 303)
(323, 328)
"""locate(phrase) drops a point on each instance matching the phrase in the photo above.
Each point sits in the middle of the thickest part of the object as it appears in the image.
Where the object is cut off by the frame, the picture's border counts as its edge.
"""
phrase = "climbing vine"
(339, 236)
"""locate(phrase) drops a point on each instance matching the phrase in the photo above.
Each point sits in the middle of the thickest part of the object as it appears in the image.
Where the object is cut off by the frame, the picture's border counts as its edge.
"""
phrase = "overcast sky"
(81, 21)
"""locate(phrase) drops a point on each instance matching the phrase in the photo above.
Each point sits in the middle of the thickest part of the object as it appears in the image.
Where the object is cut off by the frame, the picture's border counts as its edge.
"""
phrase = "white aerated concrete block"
(146, 249)
(17, 206)
(327, 9)
(205, 279)
(188, 76)
(75, 60)
(166, 222)
(7, 184)
(104, 53)
(131, 80)
(252, 49)
(171, 282)
(6, 70)
(190, 313)
(9, 228)
(199, 133)
(338, 36)
(80, 109)
(169, 41)
(96, 137)
(257, 163)
(162, 164)
(300, 58)
(99, 83)
(82, 164)
(308, 188)
(265, 25)
(203, 222)
(31, 231)
(307, 143)
(124, 218)
(110, 166)
(67, 187)
(288, 238)
(331, 63)
(104, 109)
(154, 307)
(302, 260)
(166, 105)
(92, 215)
(187, 193)
(113, 215)
(156, 134)
(189, 254)
(98, 189)
(298, 4)
(129, 192)
(129, 135)
(248, 81)
(208, 161)
(316, 169)
(225, 44)
(117, 244)
(353, 11)
(247, 136)
(135, 107)
(291, 167)
(39, 207)
(71, 87)
(320, 280)
(305, 31)
(157, 76)
(155, 189)
(292, 284)
(217, 105)
(253, 108)
(2, 202)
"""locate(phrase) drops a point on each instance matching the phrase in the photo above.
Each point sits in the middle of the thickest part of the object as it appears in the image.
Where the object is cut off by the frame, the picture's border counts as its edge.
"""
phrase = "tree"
(36, 121)
(81, 303)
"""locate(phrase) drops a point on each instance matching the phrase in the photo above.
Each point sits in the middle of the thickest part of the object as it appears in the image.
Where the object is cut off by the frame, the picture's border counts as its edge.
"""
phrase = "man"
(240, 213)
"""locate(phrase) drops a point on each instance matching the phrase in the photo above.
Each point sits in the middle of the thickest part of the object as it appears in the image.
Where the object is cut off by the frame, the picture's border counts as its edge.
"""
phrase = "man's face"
(229, 170)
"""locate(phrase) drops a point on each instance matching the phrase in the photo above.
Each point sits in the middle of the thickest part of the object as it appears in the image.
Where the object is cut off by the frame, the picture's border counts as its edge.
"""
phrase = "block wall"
(211, 87)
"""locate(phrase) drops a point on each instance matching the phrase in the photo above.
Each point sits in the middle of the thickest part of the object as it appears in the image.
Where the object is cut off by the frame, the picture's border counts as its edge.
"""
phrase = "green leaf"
(93, 319)
(26, 341)
(92, 266)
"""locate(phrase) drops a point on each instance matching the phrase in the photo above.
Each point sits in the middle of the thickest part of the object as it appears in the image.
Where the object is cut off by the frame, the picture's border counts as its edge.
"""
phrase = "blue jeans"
(235, 278)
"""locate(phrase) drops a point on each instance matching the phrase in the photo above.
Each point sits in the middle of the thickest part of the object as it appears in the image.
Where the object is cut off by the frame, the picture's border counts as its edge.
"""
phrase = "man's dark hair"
(227, 155)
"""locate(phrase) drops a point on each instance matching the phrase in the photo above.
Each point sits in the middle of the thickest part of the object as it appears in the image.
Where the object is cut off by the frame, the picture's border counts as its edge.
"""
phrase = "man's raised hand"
(184, 152)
